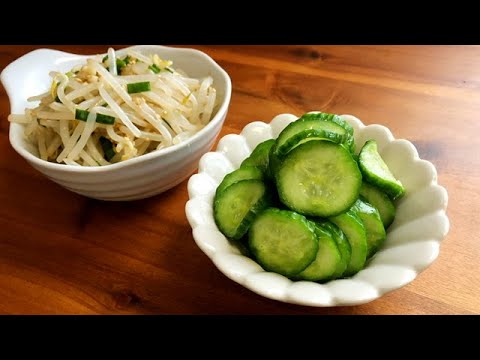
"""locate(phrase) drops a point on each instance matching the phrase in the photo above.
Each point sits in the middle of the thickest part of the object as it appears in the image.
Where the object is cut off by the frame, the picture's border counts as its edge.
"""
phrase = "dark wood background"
(61, 253)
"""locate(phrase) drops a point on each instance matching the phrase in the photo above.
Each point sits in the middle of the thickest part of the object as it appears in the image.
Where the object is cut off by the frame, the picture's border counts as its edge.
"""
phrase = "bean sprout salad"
(111, 109)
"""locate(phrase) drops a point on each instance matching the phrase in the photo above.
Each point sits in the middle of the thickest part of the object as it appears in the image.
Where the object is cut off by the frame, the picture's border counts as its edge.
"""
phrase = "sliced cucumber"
(349, 141)
(308, 135)
(337, 119)
(283, 241)
(242, 173)
(237, 206)
(373, 225)
(350, 144)
(274, 163)
(343, 246)
(381, 201)
(353, 228)
(260, 156)
(314, 126)
(377, 172)
(327, 260)
(319, 178)
(311, 169)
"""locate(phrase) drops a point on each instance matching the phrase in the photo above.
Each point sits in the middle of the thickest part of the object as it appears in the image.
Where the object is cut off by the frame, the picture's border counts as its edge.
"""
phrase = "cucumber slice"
(321, 116)
(349, 141)
(327, 260)
(260, 156)
(283, 241)
(274, 163)
(242, 173)
(354, 229)
(343, 246)
(373, 225)
(236, 207)
(309, 125)
(319, 178)
(350, 144)
(381, 201)
(376, 171)
(308, 135)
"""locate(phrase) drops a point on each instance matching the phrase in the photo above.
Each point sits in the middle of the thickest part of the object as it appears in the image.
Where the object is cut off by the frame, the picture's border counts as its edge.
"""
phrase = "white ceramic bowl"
(412, 244)
(132, 179)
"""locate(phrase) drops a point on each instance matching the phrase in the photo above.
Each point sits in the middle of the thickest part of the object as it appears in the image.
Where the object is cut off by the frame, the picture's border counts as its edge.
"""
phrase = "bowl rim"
(222, 110)
(216, 255)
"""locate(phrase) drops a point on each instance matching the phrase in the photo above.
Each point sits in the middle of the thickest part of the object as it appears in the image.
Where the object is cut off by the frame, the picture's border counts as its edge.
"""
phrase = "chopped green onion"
(120, 64)
(107, 147)
(105, 119)
(127, 59)
(139, 87)
(82, 115)
(105, 105)
(155, 68)
(69, 74)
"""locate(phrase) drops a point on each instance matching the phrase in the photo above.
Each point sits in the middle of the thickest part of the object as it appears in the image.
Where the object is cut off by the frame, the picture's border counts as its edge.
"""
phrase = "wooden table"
(61, 253)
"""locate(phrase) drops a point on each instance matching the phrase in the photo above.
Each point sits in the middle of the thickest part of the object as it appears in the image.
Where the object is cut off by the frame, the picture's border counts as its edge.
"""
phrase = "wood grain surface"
(61, 253)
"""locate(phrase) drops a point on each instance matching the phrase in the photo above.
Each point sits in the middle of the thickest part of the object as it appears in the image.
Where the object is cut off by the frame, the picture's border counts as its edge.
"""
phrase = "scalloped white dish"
(412, 244)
